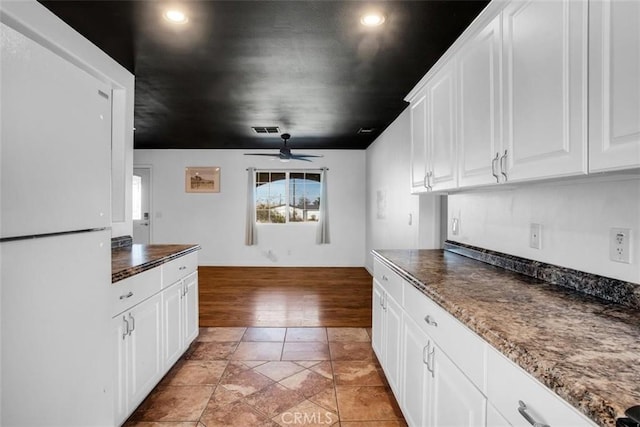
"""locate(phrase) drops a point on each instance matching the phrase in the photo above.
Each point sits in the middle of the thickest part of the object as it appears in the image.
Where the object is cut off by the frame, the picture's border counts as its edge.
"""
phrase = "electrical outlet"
(535, 236)
(455, 226)
(620, 245)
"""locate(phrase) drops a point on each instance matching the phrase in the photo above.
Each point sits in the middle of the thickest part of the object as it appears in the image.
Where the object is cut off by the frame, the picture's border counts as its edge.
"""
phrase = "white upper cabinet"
(419, 144)
(545, 89)
(441, 132)
(479, 107)
(433, 147)
(614, 85)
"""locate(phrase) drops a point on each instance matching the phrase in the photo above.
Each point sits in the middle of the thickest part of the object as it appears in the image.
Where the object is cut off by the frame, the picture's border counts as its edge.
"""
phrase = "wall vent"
(266, 129)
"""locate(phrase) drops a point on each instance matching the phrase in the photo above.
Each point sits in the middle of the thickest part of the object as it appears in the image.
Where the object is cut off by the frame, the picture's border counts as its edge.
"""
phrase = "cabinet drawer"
(388, 279)
(129, 292)
(177, 269)
(507, 384)
(462, 346)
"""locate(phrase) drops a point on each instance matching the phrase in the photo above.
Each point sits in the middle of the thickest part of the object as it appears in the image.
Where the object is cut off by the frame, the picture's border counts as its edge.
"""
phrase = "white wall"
(217, 221)
(388, 174)
(575, 216)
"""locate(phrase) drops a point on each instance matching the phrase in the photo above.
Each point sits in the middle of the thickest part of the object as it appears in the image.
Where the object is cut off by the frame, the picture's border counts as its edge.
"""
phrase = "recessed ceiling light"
(176, 16)
(372, 19)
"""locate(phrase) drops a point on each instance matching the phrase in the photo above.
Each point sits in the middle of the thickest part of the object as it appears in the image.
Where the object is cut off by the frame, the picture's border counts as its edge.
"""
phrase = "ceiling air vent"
(266, 129)
(366, 131)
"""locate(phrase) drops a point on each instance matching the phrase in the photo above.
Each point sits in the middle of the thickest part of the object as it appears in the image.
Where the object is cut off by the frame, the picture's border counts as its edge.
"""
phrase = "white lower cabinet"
(138, 354)
(444, 375)
(152, 328)
(435, 391)
(387, 314)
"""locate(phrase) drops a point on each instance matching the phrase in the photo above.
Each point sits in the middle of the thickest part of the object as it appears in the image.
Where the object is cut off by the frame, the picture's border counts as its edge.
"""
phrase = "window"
(283, 197)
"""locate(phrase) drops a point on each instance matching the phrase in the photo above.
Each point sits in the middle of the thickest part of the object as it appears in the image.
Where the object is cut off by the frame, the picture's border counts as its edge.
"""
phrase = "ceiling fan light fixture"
(176, 16)
(372, 19)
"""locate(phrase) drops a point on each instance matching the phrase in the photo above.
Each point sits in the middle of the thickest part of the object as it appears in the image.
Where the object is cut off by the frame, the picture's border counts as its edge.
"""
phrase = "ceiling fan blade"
(304, 158)
(309, 155)
(262, 154)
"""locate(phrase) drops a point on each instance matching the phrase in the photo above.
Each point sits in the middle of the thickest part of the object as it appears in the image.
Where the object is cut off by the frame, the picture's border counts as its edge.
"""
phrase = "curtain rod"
(287, 169)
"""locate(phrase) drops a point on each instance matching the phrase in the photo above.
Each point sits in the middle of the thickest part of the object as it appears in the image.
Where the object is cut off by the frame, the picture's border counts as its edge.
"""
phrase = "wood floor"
(284, 297)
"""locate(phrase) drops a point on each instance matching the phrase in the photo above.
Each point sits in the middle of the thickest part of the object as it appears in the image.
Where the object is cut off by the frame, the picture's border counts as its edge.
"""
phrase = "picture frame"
(202, 179)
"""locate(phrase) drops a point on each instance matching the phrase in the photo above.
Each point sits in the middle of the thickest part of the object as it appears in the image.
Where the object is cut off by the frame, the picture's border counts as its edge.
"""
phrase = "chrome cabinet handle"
(384, 303)
(126, 329)
(183, 267)
(522, 408)
(424, 182)
(503, 168)
(425, 354)
(429, 181)
(133, 323)
(186, 290)
(493, 167)
(429, 320)
(431, 359)
(385, 278)
(129, 295)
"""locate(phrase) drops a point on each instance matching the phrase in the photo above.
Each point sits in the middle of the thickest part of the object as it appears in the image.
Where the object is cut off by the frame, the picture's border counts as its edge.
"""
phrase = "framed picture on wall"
(202, 179)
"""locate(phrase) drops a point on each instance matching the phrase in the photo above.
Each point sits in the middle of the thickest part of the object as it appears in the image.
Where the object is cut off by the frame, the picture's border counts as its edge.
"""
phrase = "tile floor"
(273, 377)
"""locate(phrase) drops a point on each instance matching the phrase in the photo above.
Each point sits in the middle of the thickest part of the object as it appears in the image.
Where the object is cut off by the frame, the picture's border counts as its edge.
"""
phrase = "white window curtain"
(323, 224)
(251, 237)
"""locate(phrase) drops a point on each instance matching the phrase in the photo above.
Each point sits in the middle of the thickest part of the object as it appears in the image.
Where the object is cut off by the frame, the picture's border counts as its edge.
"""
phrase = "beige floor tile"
(246, 382)
(211, 350)
(221, 334)
(174, 403)
(156, 424)
(237, 414)
(366, 403)
(324, 369)
(274, 399)
(389, 423)
(279, 370)
(196, 372)
(306, 334)
(264, 334)
(348, 334)
(351, 351)
(305, 351)
(358, 372)
(326, 399)
(264, 351)
(307, 383)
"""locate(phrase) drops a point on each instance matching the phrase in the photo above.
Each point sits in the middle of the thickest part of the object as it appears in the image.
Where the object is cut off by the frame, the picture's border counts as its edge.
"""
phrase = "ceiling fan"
(285, 152)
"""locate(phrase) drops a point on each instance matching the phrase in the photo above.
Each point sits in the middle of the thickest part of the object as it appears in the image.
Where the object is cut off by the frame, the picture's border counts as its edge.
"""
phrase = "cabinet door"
(392, 340)
(415, 375)
(614, 85)
(172, 306)
(479, 106)
(145, 340)
(377, 321)
(121, 351)
(419, 143)
(456, 401)
(441, 142)
(545, 69)
(56, 141)
(190, 309)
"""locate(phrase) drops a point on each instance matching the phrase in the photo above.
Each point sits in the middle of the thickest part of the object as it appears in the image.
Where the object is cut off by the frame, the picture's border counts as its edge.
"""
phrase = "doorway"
(141, 204)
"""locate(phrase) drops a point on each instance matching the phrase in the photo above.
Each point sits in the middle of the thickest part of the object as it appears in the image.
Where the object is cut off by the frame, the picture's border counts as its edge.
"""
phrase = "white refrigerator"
(55, 251)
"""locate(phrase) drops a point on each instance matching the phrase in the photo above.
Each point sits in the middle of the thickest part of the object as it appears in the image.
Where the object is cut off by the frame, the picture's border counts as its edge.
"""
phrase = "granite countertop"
(584, 349)
(130, 260)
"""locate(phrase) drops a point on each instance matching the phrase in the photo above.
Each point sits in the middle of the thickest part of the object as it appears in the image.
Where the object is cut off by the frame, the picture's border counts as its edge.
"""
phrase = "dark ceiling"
(308, 67)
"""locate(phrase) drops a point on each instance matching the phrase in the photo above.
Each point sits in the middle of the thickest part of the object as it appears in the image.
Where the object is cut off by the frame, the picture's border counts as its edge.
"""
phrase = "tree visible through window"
(283, 197)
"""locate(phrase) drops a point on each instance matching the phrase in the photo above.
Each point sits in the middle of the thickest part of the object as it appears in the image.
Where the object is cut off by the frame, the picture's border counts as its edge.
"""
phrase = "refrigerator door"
(55, 142)
(57, 367)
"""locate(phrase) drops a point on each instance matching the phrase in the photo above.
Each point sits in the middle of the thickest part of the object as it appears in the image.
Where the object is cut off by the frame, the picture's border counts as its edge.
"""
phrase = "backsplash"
(121, 241)
(613, 290)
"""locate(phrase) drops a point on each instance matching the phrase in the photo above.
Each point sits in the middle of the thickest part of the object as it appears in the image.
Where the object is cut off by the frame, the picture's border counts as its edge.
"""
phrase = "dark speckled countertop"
(130, 260)
(585, 349)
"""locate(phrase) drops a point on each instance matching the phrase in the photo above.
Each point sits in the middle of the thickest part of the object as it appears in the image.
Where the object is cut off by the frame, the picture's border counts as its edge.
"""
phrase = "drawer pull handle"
(385, 278)
(129, 295)
(133, 323)
(493, 167)
(522, 408)
(126, 329)
(429, 320)
(182, 268)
